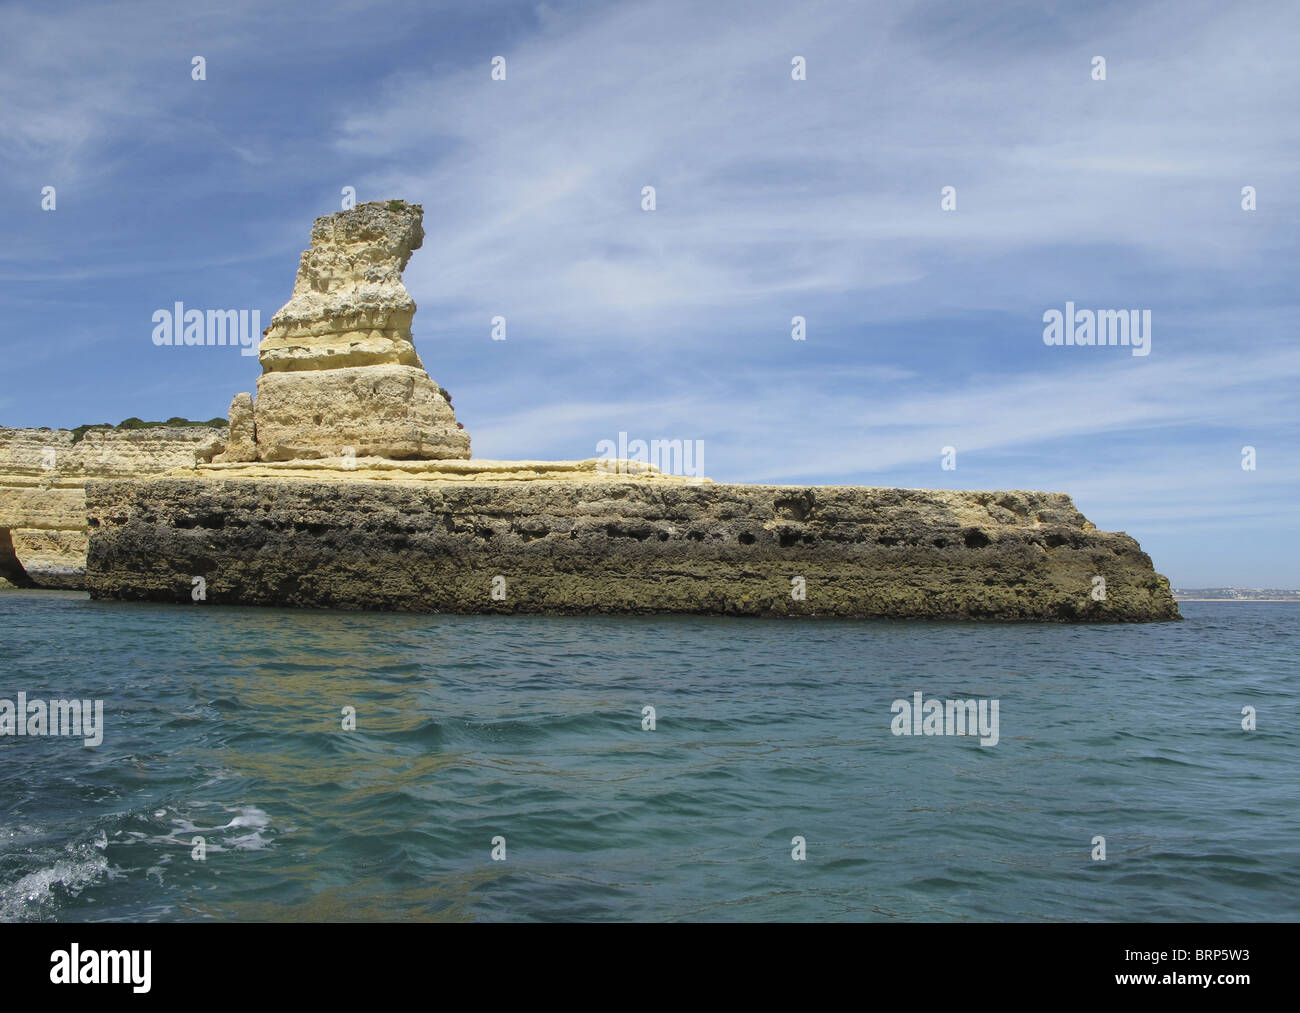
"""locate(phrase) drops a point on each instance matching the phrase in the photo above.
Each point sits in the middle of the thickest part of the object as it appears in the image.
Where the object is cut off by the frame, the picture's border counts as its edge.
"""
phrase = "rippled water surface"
(224, 723)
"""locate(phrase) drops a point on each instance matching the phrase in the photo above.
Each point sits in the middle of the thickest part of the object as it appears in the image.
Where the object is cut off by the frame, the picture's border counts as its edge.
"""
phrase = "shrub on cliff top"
(175, 421)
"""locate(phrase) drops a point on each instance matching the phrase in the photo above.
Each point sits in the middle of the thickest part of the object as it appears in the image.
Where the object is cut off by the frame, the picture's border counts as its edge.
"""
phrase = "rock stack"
(340, 374)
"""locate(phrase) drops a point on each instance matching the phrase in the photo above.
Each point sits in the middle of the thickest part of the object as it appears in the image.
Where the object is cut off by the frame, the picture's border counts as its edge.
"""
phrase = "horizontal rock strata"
(595, 543)
(43, 474)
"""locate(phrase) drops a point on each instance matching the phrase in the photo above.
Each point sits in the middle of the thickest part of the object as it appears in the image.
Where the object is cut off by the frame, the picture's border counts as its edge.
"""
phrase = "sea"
(294, 765)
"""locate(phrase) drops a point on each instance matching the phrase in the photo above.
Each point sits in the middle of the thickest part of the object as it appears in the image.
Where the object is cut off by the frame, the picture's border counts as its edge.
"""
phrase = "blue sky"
(775, 198)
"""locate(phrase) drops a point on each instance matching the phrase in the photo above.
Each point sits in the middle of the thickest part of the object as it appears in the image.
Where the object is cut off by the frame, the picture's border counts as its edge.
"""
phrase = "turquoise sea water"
(224, 723)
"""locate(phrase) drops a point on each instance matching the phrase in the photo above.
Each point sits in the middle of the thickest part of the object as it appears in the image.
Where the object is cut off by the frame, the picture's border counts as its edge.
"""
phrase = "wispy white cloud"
(809, 432)
(768, 187)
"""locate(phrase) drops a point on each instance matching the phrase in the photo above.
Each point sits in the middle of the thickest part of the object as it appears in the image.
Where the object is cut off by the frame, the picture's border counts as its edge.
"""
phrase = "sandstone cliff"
(43, 474)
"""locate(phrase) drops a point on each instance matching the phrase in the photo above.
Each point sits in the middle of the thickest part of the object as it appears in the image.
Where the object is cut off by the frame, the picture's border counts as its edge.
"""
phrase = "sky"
(774, 198)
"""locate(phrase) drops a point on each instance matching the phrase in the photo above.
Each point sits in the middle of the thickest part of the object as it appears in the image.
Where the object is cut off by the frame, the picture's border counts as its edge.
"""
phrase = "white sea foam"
(255, 819)
(216, 838)
(33, 896)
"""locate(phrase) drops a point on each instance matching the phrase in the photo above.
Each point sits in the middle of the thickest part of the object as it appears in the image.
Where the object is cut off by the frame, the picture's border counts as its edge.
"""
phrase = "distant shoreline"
(1243, 601)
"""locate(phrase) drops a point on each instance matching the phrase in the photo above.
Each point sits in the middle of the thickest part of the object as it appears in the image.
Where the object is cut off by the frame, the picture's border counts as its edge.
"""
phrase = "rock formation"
(43, 475)
(502, 538)
(340, 375)
(242, 442)
(347, 483)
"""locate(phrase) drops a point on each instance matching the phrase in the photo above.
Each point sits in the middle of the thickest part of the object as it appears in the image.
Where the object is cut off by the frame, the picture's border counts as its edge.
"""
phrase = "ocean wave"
(37, 895)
